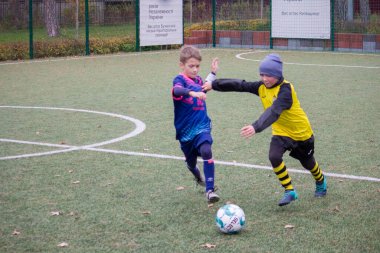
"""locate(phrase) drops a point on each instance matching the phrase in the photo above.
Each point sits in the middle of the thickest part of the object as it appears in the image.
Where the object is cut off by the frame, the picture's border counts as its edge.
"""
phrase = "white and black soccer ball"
(230, 219)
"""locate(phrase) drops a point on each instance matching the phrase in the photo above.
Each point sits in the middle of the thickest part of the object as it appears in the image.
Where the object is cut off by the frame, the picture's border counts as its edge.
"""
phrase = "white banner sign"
(309, 19)
(161, 22)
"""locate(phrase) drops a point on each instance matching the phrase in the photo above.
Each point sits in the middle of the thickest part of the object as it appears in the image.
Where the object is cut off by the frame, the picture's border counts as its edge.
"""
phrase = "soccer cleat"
(199, 181)
(321, 188)
(289, 196)
(212, 197)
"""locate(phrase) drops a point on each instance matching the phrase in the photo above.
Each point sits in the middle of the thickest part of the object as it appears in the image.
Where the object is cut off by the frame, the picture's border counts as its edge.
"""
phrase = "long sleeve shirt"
(282, 108)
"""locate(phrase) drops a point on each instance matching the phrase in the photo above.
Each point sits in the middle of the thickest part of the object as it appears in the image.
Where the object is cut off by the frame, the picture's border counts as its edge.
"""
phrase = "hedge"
(240, 25)
(65, 47)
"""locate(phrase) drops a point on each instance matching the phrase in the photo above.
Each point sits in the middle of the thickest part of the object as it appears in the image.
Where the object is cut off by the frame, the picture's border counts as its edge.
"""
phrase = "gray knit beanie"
(271, 66)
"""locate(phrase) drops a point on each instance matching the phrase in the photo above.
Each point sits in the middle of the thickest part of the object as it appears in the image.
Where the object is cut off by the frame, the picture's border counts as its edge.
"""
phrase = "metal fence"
(221, 23)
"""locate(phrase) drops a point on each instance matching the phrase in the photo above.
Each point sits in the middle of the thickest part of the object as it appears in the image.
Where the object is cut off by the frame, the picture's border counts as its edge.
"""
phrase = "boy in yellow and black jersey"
(291, 128)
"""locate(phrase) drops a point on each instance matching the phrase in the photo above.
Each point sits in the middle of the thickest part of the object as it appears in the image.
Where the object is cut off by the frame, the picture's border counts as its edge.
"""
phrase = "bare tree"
(365, 11)
(51, 21)
(341, 10)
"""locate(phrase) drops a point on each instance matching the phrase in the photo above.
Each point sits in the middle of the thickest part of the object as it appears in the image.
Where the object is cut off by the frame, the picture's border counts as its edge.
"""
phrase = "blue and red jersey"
(190, 114)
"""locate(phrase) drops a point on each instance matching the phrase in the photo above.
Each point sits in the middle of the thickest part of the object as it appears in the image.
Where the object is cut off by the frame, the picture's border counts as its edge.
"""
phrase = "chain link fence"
(58, 27)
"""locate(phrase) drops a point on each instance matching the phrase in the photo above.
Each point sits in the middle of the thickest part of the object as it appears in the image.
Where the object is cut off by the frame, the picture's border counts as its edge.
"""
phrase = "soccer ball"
(230, 219)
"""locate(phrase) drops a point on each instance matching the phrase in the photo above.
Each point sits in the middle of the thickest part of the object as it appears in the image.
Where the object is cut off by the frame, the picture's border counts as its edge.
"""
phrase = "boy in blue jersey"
(192, 124)
(291, 128)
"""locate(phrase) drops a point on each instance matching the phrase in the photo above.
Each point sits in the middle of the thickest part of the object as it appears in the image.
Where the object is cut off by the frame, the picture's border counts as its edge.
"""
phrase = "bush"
(65, 47)
(14, 51)
(240, 25)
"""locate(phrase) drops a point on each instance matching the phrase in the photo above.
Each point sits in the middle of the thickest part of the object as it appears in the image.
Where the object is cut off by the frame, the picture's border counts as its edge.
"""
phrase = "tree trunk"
(51, 21)
(350, 10)
(191, 12)
(77, 19)
(341, 10)
(365, 11)
(16, 13)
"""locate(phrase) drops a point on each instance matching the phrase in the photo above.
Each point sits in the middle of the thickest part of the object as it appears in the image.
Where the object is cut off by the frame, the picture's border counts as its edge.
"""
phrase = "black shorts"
(301, 150)
(191, 148)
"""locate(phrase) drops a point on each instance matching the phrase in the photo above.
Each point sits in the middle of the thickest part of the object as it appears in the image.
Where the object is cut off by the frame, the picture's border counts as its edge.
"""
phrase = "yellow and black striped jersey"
(282, 107)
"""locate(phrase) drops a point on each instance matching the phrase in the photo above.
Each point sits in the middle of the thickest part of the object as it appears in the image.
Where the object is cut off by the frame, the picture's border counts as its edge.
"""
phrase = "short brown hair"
(188, 52)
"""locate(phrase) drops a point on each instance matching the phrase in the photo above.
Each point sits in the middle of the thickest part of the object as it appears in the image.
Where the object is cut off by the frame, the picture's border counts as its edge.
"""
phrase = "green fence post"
(332, 35)
(183, 23)
(137, 10)
(270, 26)
(31, 54)
(213, 23)
(87, 28)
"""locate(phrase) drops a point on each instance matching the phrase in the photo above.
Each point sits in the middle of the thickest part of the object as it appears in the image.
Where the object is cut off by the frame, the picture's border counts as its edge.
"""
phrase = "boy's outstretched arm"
(233, 85)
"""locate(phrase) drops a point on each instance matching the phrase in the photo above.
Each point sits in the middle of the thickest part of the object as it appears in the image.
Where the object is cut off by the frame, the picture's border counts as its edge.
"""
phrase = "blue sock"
(195, 171)
(209, 170)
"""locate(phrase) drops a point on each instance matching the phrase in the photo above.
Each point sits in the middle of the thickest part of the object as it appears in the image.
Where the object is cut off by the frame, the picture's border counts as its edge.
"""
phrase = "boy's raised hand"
(215, 65)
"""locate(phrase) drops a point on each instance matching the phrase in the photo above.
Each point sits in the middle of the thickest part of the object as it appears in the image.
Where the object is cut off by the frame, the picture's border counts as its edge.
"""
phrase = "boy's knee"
(275, 159)
(308, 163)
(205, 151)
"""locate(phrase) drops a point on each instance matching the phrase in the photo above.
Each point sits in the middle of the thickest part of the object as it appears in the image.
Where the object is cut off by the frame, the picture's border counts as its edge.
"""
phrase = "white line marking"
(76, 58)
(132, 153)
(140, 127)
(239, 56)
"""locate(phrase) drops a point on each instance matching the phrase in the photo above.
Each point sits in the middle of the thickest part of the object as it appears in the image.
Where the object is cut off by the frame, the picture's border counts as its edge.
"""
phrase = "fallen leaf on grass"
(62, 142)
(56, 213)
(63, 244)
(208, 246)
(16, 232)
(210, 205)
(289, 226)
(146, 212)
(76, 182)
(180, 188)
(133, 245)
(336, 209)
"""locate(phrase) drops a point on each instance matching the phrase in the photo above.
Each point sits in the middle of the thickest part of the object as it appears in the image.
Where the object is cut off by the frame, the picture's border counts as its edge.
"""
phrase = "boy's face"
(268, 81)
(191, 67)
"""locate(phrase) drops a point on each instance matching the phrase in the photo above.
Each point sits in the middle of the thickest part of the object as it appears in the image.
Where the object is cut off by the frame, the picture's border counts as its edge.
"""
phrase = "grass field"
(120, 194)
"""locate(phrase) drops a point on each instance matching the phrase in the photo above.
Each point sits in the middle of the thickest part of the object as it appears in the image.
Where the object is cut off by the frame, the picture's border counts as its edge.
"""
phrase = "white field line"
(239, 56)
(161, 156)
(76, 58)
(140, 127)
